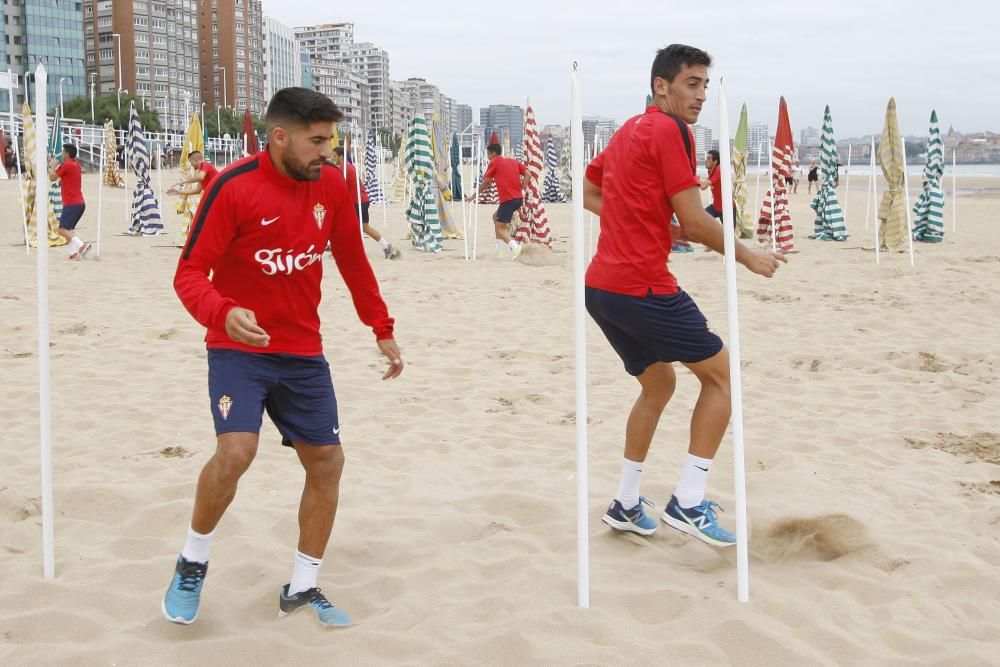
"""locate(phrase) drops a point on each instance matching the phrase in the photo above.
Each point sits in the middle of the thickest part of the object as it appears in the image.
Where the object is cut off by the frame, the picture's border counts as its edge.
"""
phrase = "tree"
(106, 106)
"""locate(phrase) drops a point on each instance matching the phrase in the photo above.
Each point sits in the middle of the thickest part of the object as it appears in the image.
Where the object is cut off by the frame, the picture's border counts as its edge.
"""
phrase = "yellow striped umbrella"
(112, 176)
(743, 224)
(892, 208)
(194, 140)
(30, 141)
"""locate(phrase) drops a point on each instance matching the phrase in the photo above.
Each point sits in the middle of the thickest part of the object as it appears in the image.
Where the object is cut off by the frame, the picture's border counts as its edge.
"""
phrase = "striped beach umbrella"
(112, 176)
(372, 184)
(442, 184)
(194, 140)
(401, 179)
(422, 213)
(29, 185)
(551, 192)
(3, 156)
(829, 224)
(775, 219)
(892, 208)
(740, 177)
(253, 147)
(928, 213)
(492, 195)
(565, 171)
(145, 208)
(456, 165)
(535, 222)
(55, 151)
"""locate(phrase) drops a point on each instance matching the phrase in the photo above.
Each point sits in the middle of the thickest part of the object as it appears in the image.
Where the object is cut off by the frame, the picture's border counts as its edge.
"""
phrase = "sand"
(871, 437)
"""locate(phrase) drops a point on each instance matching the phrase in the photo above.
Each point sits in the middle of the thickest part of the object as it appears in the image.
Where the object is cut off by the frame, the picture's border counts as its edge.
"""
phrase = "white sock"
(513, 244)
(500, 245)
(628, 484)
(196, 547)
(304, 573)
(382, 242)
(75, 243)
(691, 488)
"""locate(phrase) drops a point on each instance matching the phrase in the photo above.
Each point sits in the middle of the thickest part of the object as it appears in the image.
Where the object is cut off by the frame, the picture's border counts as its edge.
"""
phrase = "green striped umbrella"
(829, 224)
(892, 208)
(928, 213)
(744, 225)
(55, 151)
(422, 213)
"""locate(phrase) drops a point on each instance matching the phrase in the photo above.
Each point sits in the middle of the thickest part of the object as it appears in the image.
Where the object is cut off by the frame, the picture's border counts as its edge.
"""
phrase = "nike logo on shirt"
(265, 222)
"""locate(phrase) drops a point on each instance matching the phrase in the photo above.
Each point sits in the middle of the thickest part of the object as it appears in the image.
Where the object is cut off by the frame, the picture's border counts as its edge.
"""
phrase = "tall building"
(282, 64)
(231, 50)
(554, 132)
(348, 90)
(328, 41)
(507, 117)
(758, 144)
(463, 117)
(372, 63)
(150, 49)
(702, 142)
(401, 108)
(810, 137)
(305, 70)
(33, 30)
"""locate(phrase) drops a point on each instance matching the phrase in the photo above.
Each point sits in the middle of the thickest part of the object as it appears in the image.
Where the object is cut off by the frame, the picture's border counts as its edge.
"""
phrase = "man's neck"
(276, 162)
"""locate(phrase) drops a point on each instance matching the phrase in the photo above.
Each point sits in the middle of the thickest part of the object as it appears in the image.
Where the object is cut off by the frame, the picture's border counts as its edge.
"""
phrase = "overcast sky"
(851, 54)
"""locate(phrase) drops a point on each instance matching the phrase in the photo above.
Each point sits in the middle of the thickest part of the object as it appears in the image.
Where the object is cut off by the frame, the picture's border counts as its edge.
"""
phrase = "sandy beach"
(872, 451)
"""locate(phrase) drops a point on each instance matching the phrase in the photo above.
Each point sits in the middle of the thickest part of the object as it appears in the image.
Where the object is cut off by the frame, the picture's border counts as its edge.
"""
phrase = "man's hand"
(764, 262)
(389, 348)
(241, 326)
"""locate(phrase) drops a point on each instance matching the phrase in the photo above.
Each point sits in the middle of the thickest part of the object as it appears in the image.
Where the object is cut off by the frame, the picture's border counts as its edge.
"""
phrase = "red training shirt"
(644, 165)
(506, 172)
(69, 175)
(210, 173)
(261, 235)
(352, 185)
(715, 178)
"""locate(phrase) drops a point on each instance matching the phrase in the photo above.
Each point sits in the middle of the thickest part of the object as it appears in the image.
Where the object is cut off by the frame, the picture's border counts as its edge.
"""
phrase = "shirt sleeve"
(521, 169)
(61, 170)
(673, 161)
(491, 170)
(595, 170)
(349, 254)
(211, 234)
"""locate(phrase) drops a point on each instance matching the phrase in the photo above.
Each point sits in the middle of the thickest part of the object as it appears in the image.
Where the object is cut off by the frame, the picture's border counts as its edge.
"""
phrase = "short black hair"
(496, 149)
(339, 150)
(70, 151)
(301, 106)
(669, 60)
(715, 155)
(193, 153)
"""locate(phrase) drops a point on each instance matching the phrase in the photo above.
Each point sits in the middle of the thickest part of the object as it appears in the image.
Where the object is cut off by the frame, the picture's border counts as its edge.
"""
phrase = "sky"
(852, 55)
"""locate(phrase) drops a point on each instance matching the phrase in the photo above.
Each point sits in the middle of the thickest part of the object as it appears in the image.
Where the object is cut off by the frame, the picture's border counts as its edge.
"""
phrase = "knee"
(232, 461)
(658, 395)
(326, 468)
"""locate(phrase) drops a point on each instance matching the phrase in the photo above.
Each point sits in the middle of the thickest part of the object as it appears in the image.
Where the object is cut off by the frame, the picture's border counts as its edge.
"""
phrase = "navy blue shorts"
(71, 215)
(506, 210)
(646, 329)
(364, 212)
(296, 392)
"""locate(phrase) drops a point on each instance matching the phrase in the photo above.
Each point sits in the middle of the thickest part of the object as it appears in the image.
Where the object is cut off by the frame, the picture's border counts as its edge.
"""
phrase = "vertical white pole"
(478, 162)
(871, 183)
(906, 198)
(42, 266)
(877, 221)
(381, 182)
(357, 184)
(465, 193)
(128, 215)
(954, 193)
(159, 173)
(735, 373)
(580, 339)
(771, 190)
(847, 180)
(100, 199)
(17, 157)
(756, 191)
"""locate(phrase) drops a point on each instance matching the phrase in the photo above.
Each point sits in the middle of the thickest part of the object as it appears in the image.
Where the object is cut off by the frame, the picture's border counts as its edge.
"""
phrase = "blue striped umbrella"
(928, 213)
(456, 176)
(145, 208)
(372, 184)
(422, 213)
(551, 192)
(829, 223)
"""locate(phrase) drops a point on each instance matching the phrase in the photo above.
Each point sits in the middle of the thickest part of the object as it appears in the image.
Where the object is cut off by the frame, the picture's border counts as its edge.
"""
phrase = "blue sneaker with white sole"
(633, 520)
(327, 614)
(699, 521)
(180, 604)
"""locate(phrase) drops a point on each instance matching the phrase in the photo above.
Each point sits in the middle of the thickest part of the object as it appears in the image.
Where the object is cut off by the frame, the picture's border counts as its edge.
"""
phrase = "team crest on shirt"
(225, 404)
(319, 214)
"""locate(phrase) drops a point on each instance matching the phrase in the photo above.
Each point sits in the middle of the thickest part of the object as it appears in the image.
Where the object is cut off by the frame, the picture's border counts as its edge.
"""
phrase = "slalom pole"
(954, 194)
(735, 372)
(847, 180)
(877, 221)
(100, 199)
(906, 198)
(478, 161)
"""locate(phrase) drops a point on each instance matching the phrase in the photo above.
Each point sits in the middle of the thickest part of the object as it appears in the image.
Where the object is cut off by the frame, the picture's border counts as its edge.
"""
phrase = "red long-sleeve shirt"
(261, 235)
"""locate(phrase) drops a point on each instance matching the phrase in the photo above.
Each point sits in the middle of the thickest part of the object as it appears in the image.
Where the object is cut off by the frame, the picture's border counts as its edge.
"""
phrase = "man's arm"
(703, 228)
(483, 187)
(592, 197)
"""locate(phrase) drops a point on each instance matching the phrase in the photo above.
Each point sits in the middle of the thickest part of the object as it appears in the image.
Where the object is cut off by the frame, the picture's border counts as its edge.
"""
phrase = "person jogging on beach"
(511, 178)
(260, 233)
(390, 251)
(647, 173)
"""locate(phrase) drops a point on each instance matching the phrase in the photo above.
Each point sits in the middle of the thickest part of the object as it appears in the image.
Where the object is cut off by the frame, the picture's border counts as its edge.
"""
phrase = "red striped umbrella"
(251, 135)
(774, 214)
(536, 223)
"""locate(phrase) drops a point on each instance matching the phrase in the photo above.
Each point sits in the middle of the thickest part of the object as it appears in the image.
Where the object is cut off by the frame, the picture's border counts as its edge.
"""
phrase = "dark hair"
(339, 150)
(301, 106)
(669, 60)
(70, 151)
(495, 149)
(193, 153)
(715, 155)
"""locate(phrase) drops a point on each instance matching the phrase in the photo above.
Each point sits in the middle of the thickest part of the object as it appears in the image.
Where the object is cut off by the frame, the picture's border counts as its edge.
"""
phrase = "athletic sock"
(691, 487)
(513, 244)
(304, 573)
(75, 243)
(500, 245)
(385, 244)
(628, 484)
(196, 547)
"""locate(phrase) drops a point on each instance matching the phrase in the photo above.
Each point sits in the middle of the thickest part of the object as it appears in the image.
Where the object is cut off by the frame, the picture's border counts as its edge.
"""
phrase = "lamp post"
(93, 75)
(225, 101)
(187, 111)
(117, 36)
(62, 112)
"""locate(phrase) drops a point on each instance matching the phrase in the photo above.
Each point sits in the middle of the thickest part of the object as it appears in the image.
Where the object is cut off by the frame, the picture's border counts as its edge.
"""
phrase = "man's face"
(490, 155)
(304, 149)
(337, 158)
(196, 160)
(710, 162)
(65, 154)
(686, 94)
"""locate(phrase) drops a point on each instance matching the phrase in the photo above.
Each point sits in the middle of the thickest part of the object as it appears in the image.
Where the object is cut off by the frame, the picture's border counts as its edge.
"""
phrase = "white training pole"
(100, 199)
(17, 157)
(357, 185)
(770, 189)
(847, 181)
(735, 372)
(580, 348)
(877, 221)
(871, 182)
(478, 162)
(906, 198)
(128, 215)
(42, 266)
(381, 181)
(756, 191)
(465, 220)
(159, 172)
(954, 194)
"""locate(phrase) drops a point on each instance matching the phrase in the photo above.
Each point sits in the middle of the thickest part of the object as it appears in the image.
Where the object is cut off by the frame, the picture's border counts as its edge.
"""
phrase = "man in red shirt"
(644, 176)
(204, 173)
(260, 233)
(511, 178)
(72, 196)
(353, 186)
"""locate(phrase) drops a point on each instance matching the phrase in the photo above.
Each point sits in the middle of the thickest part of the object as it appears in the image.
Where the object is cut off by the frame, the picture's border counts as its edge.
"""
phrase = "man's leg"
(387, 248)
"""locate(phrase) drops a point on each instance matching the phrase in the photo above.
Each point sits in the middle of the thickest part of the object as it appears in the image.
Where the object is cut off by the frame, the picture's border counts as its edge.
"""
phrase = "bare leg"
(218, 479)
(658, 383)
(711, 413)
(318, 507)
(371, 232)
(67, 234)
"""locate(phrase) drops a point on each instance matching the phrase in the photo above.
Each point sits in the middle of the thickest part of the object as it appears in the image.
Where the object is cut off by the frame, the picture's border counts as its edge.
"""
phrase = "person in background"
(72, 196)
(390, 251)
(204, 173)
(813, 176)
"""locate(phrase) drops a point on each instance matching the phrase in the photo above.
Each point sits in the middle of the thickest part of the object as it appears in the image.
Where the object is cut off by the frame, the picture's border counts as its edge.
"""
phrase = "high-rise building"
(49, 30)
(150, 49)
(282, 64)
(505, 117)
(328, 41)
(372, 63)
(348, 90)
(231, 50)
(463, 117)
(758, 144)
(305, 69)
(702, 142)
(810, 137)
(401, 106)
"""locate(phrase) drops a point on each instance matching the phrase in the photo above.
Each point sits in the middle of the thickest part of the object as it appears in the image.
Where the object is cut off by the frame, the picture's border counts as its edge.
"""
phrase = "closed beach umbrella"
(892, 208)
(145, 208)
(112, 176)
(55, 151)
(928, 213)
(743, 225)
(194, 140)
(829, 225)
(422, 213)
(29, 183)
(551, 192)
(775, 219)
(565, 170)
(456, 165)
(372, 184)
(250, 133)
(535, 227)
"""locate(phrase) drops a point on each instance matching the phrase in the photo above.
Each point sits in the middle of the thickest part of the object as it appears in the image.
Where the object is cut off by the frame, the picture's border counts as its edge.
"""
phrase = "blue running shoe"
(325, 611)
(180, 604)
(699, 521)
(630, 520)
(681, 248)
